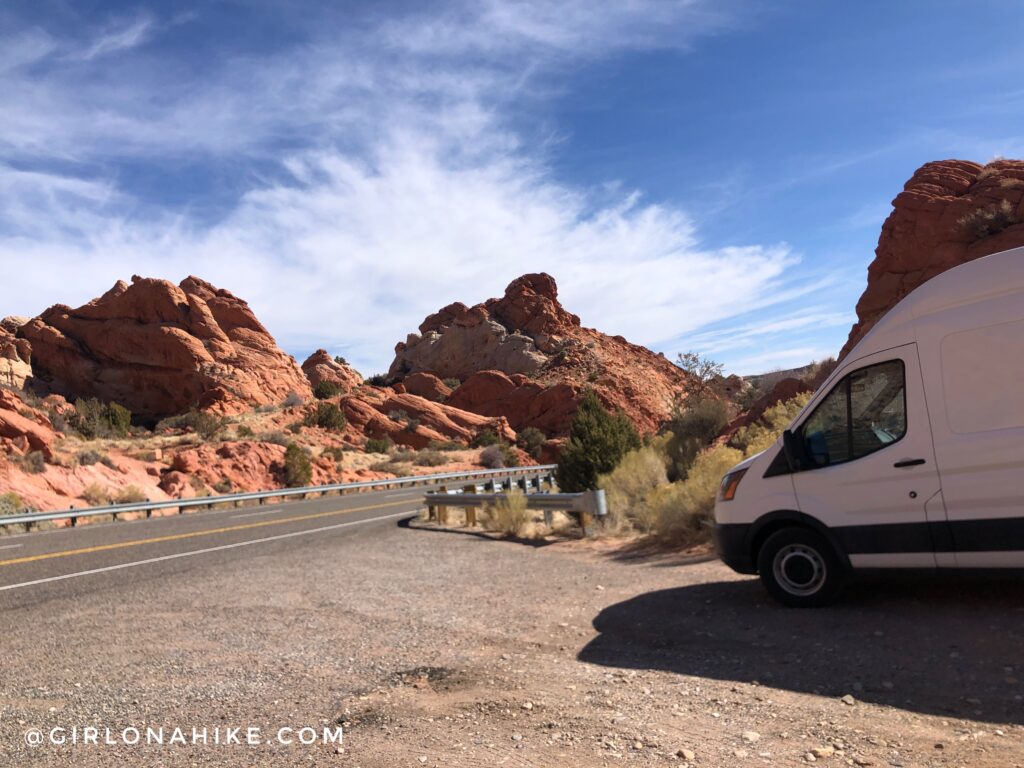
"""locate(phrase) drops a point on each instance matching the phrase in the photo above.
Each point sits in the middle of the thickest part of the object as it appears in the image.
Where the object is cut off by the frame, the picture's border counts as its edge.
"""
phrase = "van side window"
(863, 413)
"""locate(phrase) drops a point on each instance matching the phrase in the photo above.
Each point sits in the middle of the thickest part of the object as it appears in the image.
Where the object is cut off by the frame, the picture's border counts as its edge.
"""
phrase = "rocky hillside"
(523, 356)
(160, 349)
(950, 212)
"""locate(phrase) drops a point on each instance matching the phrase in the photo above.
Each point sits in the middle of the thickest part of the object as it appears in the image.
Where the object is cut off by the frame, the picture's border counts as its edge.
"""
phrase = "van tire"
(799, 568)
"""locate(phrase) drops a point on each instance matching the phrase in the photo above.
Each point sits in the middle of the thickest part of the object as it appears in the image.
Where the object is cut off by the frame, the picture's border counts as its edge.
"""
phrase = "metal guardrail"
(585, 506)
(28, 519)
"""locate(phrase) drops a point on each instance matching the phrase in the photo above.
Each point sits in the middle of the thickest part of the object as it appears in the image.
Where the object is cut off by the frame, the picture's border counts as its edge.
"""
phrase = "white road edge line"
(255, 514)
(11, 546)
(175, 556)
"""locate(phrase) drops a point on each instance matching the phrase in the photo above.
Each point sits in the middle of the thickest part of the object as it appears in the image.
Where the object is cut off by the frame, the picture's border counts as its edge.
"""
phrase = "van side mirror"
(793, 447)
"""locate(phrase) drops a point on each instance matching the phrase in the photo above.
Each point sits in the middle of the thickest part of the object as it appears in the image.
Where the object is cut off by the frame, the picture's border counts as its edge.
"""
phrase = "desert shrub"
(92, 419)
(58, 420)
(276, 436)
(704, 375)
(412, 425)
(340, 360)
(508, 515)
(445, 445)
(245, 431)
(266, 408)
(531, 440)
(325, 390)
(11, 503)
(400, 416)
(223, 486)
(392, 467)
(762, 433)
(34, 462)
(498, 455)
(684, 512)
(197, 483)
(693, 429)
(333, 452)
(378, 445)
(326, 416)
(429, 458)
(90, 456)
(988, 221)
(206, 425)
(597, 442)
(298, 470)
(130, 494)
(292, 399)
(819, 371)
(452, 383)
(377, 380)
(628, 485)
(485, 438)
(96, 495)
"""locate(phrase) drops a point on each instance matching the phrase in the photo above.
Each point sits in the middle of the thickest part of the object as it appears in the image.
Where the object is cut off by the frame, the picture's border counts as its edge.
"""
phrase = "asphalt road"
(67, 561)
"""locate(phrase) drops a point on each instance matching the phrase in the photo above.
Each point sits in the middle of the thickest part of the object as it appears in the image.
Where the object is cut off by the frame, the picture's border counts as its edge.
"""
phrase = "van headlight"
(730, 483)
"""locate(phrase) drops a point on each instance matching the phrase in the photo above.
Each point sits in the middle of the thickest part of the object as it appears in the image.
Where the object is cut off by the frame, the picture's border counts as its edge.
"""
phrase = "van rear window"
(983, 378)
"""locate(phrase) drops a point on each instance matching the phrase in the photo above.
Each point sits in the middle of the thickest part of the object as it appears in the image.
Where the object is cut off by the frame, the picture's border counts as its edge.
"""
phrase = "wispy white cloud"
(119, 37)
(410, 186)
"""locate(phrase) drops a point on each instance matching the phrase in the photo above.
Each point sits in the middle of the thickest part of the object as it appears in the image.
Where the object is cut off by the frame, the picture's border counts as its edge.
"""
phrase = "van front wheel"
(799, 568)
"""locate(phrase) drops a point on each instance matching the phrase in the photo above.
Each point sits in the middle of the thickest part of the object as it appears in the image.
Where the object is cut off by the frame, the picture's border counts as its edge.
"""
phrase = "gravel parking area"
(450, 649)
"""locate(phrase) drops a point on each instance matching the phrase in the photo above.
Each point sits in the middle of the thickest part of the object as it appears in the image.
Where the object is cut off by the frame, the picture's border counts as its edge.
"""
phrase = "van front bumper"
(733, 546)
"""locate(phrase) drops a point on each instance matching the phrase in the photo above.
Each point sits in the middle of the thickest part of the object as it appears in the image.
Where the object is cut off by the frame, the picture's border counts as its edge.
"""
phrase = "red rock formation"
(425, 385)
(525, 357)
(950, 212)
(161, 349)
(24, 429)
(320, 366)
(15, 356)
(414, 421)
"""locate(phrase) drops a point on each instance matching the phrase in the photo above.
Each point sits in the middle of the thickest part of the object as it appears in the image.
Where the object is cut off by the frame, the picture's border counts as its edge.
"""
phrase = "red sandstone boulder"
(22, 428)
(160, 349)
(524, 357)
(427, 386)
(320, 366)
(950, 212)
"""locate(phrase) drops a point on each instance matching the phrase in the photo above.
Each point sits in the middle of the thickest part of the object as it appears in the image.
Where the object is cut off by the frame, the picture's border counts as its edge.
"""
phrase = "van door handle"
(909, 463)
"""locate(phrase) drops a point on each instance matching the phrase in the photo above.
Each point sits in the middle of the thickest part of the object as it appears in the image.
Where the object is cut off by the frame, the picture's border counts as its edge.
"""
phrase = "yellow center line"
(195, 534)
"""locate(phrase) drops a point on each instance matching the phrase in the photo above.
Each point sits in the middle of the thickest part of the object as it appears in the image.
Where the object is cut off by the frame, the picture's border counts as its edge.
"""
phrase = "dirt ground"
(451, 649)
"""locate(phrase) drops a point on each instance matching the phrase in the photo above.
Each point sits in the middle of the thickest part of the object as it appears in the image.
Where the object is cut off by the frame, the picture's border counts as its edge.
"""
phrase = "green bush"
(393, 467)
(96, 495)
(298, 470)
(485, 438)
(597, 442)
(92, 419)
(326, 416)
(447, 445)
(378, 445)
(452, 383)
(325, 390)
(292, 399)
(340, 360)
(531, 440)
(377, 380)
(202, 423)
(693, 429)
(11, 504)
(245, 431)
(223, 486)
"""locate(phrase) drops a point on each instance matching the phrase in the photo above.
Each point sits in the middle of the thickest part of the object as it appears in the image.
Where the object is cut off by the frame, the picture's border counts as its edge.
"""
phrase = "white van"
(910, 455)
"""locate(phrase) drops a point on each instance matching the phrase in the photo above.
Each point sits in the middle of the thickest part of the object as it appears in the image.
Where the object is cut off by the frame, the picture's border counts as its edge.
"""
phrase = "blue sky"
(695, 174)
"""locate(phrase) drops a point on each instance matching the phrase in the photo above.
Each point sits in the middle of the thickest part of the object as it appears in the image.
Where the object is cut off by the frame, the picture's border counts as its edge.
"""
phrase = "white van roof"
(972, 281)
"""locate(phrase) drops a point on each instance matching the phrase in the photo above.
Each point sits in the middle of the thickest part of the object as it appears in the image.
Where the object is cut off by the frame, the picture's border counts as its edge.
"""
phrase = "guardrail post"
(470, 511)
(442, 510)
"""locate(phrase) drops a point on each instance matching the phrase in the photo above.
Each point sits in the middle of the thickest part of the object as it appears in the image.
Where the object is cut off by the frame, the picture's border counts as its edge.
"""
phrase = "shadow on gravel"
(477, 533)
(947, 646)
